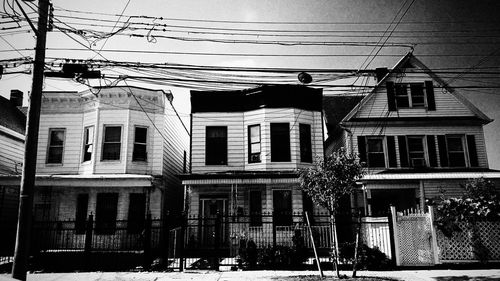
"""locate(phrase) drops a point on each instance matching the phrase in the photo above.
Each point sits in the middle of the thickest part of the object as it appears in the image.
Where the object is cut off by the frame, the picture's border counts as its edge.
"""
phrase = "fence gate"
(414, 239)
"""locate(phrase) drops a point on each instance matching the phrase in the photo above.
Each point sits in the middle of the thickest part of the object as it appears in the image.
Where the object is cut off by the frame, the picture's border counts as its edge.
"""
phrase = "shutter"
(403, 152)
(431, 102)
(431, 148)
(391, 147)
(443, 151)
(362, 148)
(471, 147)
(391, 98)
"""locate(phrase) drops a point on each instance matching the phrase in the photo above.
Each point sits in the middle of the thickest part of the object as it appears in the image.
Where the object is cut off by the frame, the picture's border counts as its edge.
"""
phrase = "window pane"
(254, 134)
(401, 90)
(305, 143)
(87, 146)
(457, 159)
(455, 144)
(141, 134)
(111, 151)
(402, 102)
(112, 134)
(216, 146)
(255, 147)
(376, 160)
(89, 135)
(375, 145)
(55, 155)
(415, 144)
(56, 137)
(140, 153)
(87, 153)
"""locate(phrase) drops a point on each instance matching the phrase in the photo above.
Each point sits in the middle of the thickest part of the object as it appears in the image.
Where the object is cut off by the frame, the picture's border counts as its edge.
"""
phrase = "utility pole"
(21, 252)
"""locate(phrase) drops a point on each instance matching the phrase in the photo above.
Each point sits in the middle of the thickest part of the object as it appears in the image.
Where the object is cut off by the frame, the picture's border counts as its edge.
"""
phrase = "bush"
(368, 258)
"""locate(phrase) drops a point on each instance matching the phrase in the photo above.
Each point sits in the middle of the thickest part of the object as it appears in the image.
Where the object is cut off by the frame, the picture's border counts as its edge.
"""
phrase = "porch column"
(422, 195)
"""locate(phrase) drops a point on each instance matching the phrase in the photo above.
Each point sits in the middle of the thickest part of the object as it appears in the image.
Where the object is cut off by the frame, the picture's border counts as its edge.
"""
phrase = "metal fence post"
(147, 242)
(274, 229)
(217, 236)
(88, 240)
(182, 241)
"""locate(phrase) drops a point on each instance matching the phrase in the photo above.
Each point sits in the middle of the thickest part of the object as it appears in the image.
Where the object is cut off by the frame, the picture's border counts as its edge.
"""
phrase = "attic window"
(410, 95)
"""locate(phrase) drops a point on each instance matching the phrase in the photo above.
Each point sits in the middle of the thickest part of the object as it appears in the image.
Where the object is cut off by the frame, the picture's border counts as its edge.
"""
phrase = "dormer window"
(410, 95)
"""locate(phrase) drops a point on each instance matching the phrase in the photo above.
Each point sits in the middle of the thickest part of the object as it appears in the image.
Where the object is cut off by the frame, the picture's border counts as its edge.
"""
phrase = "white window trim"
(104, 137)
(409, 95)
(464, 147)
(384, 148)
(83, 161)
(424, 145)
(146, 144)
(48, 147)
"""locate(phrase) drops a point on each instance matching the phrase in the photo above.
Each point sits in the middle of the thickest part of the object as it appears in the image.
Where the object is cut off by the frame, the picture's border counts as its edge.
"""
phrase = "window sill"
(53, 164)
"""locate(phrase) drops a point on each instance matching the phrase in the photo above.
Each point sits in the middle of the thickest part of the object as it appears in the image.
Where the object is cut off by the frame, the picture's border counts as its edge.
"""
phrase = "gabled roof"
(335, 108)
(412, 60)
(11, 117)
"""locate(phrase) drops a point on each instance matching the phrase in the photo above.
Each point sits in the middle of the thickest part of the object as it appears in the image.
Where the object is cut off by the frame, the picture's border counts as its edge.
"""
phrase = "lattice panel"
(459, 246)
(414, 235)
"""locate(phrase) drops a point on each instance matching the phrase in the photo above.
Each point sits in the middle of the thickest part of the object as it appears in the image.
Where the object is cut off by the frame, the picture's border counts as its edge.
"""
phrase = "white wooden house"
(418, 137)
(245, 148)
(112, 152)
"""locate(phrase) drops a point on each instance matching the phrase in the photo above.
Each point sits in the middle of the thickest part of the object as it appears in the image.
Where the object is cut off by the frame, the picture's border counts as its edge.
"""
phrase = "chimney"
(16, 97)
(380, 73)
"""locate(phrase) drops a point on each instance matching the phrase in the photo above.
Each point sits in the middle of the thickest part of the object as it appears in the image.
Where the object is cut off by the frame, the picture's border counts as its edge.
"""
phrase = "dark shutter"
(391, 99)
(362, 148)
(443, 151)
(431, 147)
(429, 88)
(471, 147)
(391, 147)
(403, 152)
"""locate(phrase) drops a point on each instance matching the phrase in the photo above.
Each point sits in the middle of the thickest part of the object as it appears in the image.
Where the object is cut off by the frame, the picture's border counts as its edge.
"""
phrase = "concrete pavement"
(262, 275)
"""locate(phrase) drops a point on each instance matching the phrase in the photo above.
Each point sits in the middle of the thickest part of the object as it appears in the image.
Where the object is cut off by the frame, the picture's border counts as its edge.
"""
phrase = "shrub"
(368, 258)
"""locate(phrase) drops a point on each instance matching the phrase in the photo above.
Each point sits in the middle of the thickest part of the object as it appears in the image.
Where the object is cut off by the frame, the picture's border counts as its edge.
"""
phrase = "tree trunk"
(356, 247)
(335, 252)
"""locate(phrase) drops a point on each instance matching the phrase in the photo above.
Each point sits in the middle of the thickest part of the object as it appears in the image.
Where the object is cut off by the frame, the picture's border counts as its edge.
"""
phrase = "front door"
(282, 206)
(210, 208)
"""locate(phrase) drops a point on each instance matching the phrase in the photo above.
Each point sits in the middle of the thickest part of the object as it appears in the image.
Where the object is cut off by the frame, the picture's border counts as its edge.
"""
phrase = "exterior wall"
(238, 122)
(12, 152)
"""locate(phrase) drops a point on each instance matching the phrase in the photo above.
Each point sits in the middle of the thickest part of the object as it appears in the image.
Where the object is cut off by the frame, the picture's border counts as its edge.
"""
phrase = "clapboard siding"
(237, 124)
(11, 154)
(370, 130)
(446, 104)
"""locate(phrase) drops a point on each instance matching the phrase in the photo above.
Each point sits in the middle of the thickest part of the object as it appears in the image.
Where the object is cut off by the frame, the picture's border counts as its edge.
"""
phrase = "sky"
(461, 37)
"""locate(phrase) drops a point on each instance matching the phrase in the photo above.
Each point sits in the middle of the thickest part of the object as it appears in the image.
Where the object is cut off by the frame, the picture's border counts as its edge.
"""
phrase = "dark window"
(112, 143)
(305, 143)
(216, 146)
(391, 151)
(82, 202)
(136, 212)
(410, 95)
(417, 95)
(416, 151)
(254, 144)
(282, 204)
(88, 141)
(255, 208)
(140, 144)
(456, 152)
(431, 148)
(375, 152)
(56, 146)
(280, 142)
(105, 213)
(471, 148)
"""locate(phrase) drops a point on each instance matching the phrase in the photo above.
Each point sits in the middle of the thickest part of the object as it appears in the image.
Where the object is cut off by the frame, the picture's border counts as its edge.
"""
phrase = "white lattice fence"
(459, 246)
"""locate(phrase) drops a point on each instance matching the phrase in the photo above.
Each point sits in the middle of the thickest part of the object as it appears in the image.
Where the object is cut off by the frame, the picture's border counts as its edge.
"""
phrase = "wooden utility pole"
(24, 221)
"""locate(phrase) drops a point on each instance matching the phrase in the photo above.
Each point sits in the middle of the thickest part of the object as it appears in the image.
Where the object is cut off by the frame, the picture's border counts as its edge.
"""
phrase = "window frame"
(305, 153)
(464, 151)
(424, 150)
(49, 146)
(250, 143)
(216, 162)
(410, 94)
(104, 127)
(383, 152)
(90, 143)
(145, 144)
(280, 158)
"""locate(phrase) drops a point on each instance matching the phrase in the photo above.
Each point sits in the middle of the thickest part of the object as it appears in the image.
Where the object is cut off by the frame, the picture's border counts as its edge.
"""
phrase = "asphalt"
(270, 275)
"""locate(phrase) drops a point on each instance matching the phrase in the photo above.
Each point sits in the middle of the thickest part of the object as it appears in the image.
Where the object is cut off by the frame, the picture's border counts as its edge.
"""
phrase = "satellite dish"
(304, 78)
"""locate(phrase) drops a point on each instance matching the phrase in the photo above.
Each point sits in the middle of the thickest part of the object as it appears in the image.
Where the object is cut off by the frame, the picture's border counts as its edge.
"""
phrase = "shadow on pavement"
(462, 278)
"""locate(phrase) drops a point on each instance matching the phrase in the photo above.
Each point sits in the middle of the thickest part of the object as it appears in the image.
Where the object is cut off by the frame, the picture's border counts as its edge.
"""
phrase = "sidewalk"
(407, 275)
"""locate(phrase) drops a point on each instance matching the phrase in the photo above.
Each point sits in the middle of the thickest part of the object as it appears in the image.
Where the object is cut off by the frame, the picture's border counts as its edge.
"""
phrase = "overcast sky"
(444, 34)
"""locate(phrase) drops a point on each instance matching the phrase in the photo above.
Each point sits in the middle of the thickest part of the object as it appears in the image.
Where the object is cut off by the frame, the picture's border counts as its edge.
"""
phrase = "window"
(82, 202)
(414, 98)
(140, 144)
(456, 151)
(56, 146)
(282, 205)
(88, 141)
(255, 208)
(305, 143)
(105, 213)
(375, 152)
(136, 212)
(416, 151)
(280, 142)
(112, 143)
(254, 144)
(216, 145)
